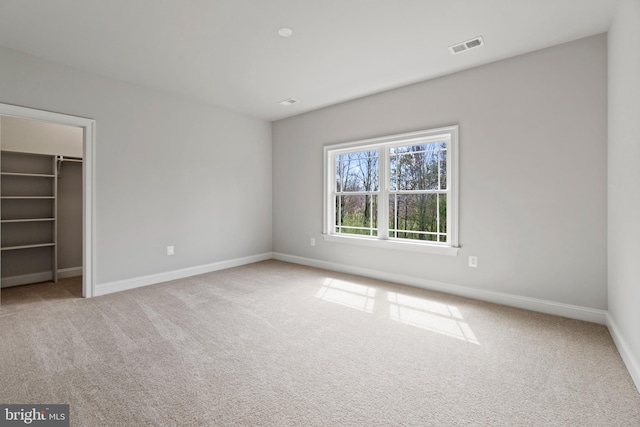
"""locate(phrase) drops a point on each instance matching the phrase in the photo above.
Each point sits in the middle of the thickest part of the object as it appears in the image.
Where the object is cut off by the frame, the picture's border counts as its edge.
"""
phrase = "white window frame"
(383, 144)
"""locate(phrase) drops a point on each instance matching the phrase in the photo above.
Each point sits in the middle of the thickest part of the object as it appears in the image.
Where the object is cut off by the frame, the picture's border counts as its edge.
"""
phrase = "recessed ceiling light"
(285, 32)
(289, 101)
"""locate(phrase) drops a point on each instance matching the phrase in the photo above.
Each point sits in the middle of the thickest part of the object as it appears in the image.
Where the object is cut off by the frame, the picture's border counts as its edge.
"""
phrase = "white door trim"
(88, 179)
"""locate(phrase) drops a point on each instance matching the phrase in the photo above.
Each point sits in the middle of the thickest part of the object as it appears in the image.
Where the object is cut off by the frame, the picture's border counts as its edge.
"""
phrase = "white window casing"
(380, 235)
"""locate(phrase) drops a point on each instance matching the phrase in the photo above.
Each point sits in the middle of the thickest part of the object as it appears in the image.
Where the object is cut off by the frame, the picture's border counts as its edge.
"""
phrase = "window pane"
(443, 166)
(357, 214)
(415, 167)
(414, 235)
(357, 171)
(443, 215)
(432, 146)
(415, 216)
(393, 172)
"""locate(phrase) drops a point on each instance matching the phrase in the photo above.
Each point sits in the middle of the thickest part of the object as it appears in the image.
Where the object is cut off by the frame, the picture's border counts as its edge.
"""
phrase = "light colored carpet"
(275, 344)
(38, 295)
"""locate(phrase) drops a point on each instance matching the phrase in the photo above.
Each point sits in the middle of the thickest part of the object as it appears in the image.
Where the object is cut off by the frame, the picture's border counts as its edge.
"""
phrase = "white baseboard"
(43, 276)
(632, 363)
(152, 279)
(63, 273)
(533, 304)
(26, 279)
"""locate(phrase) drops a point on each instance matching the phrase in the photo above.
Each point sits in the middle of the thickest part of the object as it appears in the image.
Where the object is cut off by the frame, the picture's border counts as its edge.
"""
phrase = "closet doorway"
(47, 199)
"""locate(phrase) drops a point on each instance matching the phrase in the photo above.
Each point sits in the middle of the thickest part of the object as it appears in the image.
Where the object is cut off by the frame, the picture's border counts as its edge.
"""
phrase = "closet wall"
(32, 147)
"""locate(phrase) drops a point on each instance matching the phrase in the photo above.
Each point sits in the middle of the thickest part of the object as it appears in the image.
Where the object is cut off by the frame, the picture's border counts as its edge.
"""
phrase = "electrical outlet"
(473, 261)
(313, 242)
(169, 250)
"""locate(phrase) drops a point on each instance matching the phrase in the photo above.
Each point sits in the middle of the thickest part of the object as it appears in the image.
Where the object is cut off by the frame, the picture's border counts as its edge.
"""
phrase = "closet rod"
(69, 159)
(61, 159)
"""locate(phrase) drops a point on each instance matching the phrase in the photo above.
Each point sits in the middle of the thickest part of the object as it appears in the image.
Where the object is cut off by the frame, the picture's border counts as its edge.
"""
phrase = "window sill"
(393, 244)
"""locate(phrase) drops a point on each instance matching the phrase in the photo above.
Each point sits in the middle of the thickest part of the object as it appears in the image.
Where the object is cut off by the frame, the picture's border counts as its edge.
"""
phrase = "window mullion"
(383, 199)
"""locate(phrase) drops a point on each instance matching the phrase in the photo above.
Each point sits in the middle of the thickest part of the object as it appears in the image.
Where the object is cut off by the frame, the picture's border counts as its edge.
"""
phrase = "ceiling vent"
(469, 44)
(289, 101)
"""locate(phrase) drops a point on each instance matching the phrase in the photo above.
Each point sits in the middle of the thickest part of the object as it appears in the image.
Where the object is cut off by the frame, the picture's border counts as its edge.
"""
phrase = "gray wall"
(168, 171)
(533, 133)
(624, 176)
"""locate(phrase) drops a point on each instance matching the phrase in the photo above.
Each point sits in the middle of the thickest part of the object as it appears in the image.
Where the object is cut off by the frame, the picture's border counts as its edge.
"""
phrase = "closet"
(41, 201)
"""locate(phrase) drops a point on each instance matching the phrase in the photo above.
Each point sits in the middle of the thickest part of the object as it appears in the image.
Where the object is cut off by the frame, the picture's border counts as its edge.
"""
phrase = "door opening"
(88, 141)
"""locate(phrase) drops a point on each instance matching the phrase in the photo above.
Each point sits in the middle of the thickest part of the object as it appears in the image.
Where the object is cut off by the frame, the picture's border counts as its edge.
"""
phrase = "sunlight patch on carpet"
(433, 316)
(349, 294)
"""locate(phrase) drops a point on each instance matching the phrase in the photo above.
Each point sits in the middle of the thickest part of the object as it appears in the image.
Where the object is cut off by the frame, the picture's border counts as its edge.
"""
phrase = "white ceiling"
(228, 52)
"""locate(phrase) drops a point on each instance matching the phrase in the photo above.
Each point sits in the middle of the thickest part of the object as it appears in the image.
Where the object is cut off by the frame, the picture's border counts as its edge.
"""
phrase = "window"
(398, 191)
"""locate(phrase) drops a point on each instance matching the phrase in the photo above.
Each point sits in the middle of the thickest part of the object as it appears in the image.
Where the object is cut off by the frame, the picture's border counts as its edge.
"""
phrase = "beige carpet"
(275, 344)
(39, 295)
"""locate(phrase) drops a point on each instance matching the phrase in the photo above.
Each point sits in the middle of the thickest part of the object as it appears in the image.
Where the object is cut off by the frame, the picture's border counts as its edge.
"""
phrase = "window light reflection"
(349, 294)
(422, 313)
(430, 315)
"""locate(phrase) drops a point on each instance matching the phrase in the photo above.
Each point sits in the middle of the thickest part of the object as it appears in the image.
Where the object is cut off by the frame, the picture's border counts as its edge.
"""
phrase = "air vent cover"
(469, 44)
(289, 101)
